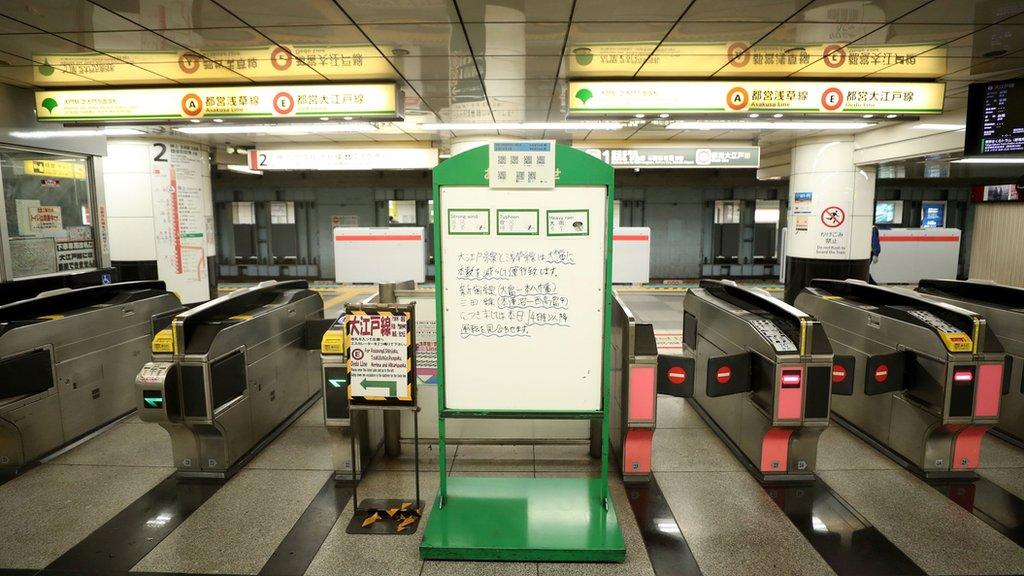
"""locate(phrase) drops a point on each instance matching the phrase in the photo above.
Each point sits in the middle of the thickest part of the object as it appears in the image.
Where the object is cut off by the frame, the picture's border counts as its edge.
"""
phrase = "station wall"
(679, 206)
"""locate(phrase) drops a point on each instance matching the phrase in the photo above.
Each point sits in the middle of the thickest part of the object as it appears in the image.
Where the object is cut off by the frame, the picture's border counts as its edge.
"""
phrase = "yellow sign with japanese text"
(55, 169)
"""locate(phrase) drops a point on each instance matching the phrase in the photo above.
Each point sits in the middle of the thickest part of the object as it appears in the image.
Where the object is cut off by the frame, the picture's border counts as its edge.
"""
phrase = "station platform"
(110, 506)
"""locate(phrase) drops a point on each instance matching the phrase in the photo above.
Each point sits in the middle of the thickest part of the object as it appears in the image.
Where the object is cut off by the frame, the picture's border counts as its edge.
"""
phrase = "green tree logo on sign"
(584, 94)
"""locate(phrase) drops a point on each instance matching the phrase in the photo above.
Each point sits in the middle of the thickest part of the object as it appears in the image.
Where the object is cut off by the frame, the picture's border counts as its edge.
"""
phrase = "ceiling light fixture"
(77, 132)
(776, 115)
(936, 126)
(347, 118)
(891, 116)
(194, 120)
(289, 129)
(488, 126)
(754, 115)
(324, 118)
(766, 125)
(243, 169)
(868, 116)
(638, 115)
(663, 115)
(218, 120)
(989, 161)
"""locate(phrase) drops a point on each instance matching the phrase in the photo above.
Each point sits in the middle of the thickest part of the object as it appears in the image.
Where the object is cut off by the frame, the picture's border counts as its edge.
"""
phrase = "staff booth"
(523, 256)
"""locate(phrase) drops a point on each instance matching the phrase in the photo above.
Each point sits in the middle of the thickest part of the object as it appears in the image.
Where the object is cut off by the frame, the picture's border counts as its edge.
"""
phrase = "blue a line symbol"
(336, 382)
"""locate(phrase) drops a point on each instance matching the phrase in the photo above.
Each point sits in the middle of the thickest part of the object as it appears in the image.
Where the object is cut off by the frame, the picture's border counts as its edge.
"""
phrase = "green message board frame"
(490, 518)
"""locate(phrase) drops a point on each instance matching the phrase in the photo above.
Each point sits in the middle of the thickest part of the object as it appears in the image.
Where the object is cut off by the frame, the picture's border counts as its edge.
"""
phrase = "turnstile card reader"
(1003, 309)
(229, 374)
(67, 360)
(763, 376)
(921, 380)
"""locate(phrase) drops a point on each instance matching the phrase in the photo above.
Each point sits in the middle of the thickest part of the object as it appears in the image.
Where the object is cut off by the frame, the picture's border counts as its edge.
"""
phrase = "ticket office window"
(727, 230)
(48, 203)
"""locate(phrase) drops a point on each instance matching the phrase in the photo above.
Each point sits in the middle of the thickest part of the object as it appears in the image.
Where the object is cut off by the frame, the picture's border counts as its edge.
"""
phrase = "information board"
(380, 345)
(995, 118)
(523, 285)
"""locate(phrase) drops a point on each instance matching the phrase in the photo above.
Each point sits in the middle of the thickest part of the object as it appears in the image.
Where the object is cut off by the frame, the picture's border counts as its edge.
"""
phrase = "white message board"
(523, 310)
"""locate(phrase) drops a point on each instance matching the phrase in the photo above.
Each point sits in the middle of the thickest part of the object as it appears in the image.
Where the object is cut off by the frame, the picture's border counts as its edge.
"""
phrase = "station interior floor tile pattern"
(731, 524)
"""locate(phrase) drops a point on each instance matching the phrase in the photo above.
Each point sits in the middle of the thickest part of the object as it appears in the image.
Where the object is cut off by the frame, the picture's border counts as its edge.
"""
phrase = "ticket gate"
(763, 377)
(920, 380)
(230, 374)
(67, 361)
(1003, 309)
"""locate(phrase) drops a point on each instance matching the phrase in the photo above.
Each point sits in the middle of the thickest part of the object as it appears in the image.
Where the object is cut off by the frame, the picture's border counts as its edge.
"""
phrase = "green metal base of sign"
(526, 519)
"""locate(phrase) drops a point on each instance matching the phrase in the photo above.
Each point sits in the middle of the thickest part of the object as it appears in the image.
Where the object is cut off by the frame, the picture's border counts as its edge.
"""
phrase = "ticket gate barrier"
(919, 380)
(365, 427)
(763, 377)
(32, 287)
(634, 394)
(67, 361)
(1003, 309)
(229, 375)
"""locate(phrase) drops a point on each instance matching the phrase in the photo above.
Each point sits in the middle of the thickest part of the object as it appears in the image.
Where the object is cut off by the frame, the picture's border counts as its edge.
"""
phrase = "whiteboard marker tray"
(525, 519)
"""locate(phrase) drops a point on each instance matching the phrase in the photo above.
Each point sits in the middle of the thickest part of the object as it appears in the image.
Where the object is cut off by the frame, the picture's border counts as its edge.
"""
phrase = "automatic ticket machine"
(227, 374)
(1003, 309)
(67, 361)
(763, 373)
(921, 380)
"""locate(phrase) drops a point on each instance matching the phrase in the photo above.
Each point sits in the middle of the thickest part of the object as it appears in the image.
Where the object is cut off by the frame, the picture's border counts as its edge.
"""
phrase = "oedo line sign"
(380, 346)
(613, 98)
(379, 101)
(679, 156)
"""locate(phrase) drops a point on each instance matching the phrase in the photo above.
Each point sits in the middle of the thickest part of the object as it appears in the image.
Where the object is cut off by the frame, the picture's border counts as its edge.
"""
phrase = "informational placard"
(517, 306)
(994, 118)
(597, 98)
(380, 346)
(367, 101)
(741, 59)
(55, 168)
(518, 222)
(344, 221)
(180, 218)
(268, 63)
(44, 220)
(469, 221)
(680, 156)
(32, 256)
(526, 164)
(376, 255)
(404, 158)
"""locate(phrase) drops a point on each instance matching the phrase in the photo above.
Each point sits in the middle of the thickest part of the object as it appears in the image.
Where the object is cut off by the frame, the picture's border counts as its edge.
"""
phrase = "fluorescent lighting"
(243, 169)
(868, 116)
(218, 120)
(754, 115)
(927, 126)
(74, 132)
(663, 115)
(989, 161)
(284, 129)
(891, 116)
(765, 125)
(591, 125)
(776, 115)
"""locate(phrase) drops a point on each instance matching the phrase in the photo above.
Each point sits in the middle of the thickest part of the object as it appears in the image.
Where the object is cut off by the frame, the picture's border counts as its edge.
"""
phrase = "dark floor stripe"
(841, 536)
(296, 551)
(135, 531)
(667, 549)
(989, 502)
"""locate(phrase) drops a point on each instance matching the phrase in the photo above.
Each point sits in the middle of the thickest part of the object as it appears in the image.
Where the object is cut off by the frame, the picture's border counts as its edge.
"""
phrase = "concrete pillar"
(831, 206)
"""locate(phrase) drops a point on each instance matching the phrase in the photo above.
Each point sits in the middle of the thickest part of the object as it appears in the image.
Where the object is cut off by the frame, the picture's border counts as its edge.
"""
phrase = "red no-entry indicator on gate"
(676, 375)
(838, 373)
(881, 373)
(723, 375)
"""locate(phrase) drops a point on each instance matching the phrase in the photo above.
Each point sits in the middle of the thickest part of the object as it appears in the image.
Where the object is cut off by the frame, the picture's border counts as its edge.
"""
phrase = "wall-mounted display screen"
(995, 118)
(996, 193)
(889, 212)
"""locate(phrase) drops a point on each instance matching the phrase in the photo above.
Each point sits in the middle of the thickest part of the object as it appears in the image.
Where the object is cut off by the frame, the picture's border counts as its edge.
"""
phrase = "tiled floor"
(733, 528)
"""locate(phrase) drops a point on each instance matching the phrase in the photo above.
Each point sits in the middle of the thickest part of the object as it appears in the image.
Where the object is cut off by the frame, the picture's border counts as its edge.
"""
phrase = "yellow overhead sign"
(597, 98)
(55, 169)
(739, 59)
(367, 101)
(269, 63)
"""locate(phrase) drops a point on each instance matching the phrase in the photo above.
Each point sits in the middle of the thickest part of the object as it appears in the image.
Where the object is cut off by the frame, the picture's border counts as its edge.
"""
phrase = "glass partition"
(48, 204)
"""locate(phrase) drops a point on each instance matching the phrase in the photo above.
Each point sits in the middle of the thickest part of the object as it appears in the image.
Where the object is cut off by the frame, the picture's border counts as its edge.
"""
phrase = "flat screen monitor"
(995, 119)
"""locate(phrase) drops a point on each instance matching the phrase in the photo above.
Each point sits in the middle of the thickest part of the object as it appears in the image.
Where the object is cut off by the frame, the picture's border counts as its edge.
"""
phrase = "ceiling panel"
(397, 11)
(166, 14)
(963, 12)
(523, 11)
(631, 11)
(858, 11)
(337, 35)
(295, 12)
(535, 39)
(25, 45)
(65, 15)
(419, 39)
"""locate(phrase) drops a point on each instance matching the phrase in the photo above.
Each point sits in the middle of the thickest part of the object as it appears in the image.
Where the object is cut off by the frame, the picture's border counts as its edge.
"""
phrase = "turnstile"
(1003, 309)
(229, 373)
(67, 361)
(763, 376)
(921, 380)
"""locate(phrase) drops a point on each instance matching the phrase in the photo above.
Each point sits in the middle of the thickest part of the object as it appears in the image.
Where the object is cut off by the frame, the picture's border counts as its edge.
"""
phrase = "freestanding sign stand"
(523, 254)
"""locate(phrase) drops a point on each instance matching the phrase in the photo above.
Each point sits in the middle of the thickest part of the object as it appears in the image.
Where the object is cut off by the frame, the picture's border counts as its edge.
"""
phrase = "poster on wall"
(32, 256)
(180, 218)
